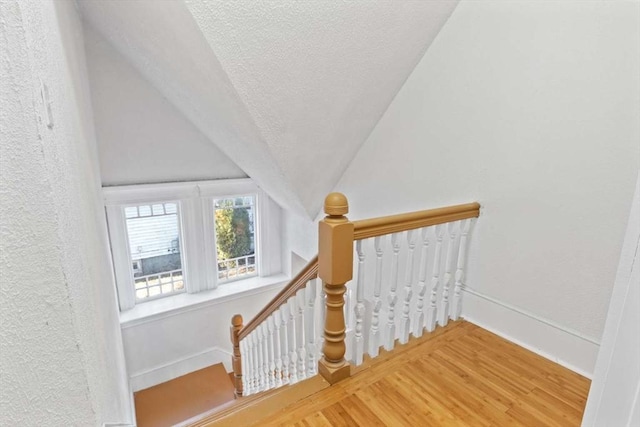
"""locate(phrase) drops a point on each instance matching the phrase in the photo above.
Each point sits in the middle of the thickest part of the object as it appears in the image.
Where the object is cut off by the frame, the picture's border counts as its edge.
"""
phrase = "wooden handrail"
(374, 227)
(310, 271)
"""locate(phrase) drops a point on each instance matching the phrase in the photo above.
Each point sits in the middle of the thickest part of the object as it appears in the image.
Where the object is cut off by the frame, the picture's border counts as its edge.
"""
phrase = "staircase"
(385, 348)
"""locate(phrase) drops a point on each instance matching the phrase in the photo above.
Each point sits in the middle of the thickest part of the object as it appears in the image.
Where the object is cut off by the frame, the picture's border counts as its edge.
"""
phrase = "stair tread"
(177, 400)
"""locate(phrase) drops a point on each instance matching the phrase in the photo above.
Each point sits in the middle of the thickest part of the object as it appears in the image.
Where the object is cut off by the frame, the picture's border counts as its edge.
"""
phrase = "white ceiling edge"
(162, 41)
(318, 76)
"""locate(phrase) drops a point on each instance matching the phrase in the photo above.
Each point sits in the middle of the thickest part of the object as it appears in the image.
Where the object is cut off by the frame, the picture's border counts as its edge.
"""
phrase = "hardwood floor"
(182, 398)
(460, 376)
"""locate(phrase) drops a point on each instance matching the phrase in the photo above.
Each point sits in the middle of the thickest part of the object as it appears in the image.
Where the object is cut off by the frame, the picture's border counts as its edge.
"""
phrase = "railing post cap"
(236, 320)
(336, 204)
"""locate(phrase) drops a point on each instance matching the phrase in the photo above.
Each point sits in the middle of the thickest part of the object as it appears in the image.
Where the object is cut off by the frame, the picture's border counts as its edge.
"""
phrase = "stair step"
(182, 398)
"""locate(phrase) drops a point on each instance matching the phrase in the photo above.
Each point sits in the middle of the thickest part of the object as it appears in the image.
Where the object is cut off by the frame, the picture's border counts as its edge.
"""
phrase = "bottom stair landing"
(180, 399)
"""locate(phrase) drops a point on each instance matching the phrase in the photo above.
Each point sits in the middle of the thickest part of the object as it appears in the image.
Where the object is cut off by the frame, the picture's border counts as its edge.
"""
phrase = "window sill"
(171, 306)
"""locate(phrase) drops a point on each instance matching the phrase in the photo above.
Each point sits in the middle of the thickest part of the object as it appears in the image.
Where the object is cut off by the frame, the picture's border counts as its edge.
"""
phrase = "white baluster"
(256, 361)
(418, 324)
(392, 298)
(253, 380)
(443, 314)
(358, 338)
(272, 351)
(262, 371)
(310, 327)
(456, 306)
(374, 334)
(277, 347)
(302, 368)
(250, 374)
(249, 384)
(323, 315)
(245, 366)
(435, 280)
(293, 356)
(408, 289)
(265, 355)
(284, 342)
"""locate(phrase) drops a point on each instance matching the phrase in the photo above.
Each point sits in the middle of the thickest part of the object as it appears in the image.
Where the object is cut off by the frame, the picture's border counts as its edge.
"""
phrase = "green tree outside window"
(233, 231)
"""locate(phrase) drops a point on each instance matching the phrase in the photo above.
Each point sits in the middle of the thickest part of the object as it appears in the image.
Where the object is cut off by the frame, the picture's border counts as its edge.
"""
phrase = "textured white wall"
(61, 361)
(531, 108)
(142, 137)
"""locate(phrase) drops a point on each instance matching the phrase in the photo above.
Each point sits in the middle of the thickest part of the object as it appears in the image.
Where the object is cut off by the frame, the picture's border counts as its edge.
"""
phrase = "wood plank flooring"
(182, 398)
(461, 376)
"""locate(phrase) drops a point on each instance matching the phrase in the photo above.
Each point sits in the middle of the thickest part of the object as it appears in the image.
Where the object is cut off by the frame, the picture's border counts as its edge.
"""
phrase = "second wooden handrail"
(310, 271)
(374, 227)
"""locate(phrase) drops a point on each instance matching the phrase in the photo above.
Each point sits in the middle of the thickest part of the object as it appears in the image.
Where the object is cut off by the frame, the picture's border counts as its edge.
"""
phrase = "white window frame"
(197, 230)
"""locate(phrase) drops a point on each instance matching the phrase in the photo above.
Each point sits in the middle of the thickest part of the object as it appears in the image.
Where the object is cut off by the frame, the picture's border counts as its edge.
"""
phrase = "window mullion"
(193, 243)
(121, 260)
(209, 242)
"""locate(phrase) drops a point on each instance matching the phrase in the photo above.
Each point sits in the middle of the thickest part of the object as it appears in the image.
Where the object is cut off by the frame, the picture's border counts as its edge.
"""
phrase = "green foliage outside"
(233, 232)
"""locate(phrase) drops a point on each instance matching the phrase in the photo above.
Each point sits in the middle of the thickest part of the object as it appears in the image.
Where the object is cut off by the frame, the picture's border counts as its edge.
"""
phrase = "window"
(169, 239)
(153, 235)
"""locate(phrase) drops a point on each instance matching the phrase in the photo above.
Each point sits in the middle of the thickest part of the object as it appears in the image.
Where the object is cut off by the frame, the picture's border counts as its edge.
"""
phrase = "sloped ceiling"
(289, 90)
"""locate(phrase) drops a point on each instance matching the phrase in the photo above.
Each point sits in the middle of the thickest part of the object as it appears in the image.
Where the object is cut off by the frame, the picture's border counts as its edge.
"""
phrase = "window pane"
(158, 209)
(154, 244)
(235, 237)
(144, 210)
(131, 212)
(170, 208)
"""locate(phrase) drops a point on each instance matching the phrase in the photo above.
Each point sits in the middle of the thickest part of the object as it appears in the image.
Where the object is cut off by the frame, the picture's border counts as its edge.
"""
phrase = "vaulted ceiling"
(289, 90)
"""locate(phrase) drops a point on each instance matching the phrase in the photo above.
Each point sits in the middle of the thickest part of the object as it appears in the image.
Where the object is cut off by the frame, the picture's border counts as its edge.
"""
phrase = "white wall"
(299, 241)
(61, 362)
(142, 137)
(532, 109)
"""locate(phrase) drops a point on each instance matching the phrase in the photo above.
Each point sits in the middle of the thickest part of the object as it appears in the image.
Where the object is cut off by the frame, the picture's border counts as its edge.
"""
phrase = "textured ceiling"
(289, 90)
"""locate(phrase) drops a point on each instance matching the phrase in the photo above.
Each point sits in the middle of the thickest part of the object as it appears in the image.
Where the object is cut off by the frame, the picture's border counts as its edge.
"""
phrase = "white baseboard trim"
(561, 345)
(179, 367)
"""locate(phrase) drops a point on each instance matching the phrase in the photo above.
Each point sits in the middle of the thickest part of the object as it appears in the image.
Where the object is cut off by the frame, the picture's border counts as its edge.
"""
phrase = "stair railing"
(281, 345)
